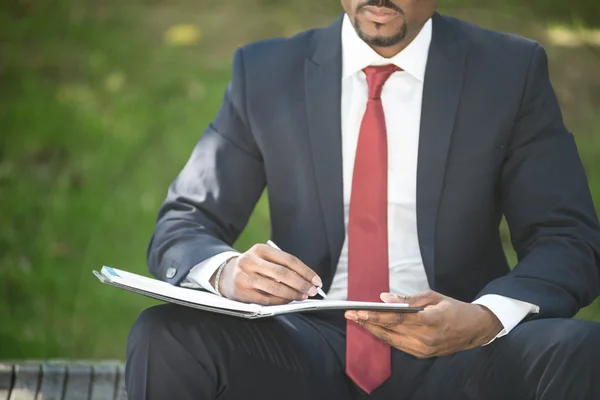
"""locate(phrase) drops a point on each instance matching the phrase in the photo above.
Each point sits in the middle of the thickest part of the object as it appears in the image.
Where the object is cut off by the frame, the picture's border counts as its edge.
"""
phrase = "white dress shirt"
(402, 99)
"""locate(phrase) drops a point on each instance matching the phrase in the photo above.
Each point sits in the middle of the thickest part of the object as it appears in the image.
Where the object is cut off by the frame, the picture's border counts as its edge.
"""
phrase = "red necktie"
(368, 360)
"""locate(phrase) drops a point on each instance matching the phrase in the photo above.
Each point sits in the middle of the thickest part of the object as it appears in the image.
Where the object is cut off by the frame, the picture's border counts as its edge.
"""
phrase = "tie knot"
(377, 76)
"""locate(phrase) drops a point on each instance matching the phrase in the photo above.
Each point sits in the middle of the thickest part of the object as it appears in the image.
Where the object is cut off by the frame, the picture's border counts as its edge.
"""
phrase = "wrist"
(219, 272)
(490, 325)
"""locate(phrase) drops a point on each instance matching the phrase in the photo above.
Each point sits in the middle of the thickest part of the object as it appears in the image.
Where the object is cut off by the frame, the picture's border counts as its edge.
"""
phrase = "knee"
(574, 345)
(570, 367)
(160, 326)
(576, 335)
(151, 327)
(152, 318)
(165, 345)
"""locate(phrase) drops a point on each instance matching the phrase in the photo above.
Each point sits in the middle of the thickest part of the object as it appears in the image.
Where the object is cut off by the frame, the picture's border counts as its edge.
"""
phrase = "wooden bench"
(62, 380)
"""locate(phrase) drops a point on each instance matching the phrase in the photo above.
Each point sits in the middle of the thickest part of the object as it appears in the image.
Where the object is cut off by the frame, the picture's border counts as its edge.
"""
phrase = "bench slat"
(62, 380)
(27, 382)
(53, 382)
(6, 379)
(79, 379)
(121, 394)
(104, 382)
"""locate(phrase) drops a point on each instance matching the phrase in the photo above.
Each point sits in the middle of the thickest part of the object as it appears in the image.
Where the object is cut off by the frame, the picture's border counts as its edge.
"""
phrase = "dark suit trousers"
(179, 353)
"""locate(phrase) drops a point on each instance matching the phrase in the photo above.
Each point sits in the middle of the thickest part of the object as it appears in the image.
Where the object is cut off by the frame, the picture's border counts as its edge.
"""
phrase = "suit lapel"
(441, 96)
(323, 80)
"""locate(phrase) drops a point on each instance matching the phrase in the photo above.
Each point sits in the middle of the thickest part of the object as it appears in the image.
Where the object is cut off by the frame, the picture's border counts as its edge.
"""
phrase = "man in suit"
(392, 143)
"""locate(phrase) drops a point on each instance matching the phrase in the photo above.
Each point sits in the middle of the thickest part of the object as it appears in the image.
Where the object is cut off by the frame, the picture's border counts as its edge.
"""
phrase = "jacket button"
(171, 273)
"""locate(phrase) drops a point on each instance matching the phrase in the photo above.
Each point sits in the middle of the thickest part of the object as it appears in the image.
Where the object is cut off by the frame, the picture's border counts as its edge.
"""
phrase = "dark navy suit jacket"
(492, 143)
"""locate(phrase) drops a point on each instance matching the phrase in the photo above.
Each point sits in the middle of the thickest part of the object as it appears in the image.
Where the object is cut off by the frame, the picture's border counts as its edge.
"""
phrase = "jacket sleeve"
(548, 207)
(209, 203)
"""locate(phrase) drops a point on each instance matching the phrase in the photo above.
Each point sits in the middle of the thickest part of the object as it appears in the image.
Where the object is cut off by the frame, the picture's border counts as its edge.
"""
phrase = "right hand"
(267, 276)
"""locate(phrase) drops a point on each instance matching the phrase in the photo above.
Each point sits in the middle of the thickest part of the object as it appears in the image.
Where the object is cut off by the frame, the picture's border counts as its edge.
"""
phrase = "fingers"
(267, 299)
(401, 341)
(391, 298)
(268, 276)
(430, 316)
(389, 319)
(282, 258)
(273, 288)
(257, 297)
(257, 289)
(424, 299)
(282, 274)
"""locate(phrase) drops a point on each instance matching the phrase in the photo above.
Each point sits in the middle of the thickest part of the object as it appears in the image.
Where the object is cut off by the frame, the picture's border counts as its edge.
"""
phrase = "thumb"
(391, 298)
(418, 300)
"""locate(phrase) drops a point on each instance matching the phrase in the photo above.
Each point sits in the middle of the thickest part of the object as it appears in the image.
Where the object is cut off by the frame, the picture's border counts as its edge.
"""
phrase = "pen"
(319, 290)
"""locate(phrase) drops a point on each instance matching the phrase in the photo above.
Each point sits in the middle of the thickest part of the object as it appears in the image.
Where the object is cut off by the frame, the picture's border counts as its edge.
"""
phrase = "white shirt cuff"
(509, 311)
(199, 276)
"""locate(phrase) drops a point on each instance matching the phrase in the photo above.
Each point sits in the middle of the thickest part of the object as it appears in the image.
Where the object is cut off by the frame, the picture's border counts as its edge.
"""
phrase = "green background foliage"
(100, 106)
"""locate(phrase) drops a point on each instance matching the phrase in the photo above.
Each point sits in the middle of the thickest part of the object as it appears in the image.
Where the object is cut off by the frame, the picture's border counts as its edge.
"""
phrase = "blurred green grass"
(98, 113)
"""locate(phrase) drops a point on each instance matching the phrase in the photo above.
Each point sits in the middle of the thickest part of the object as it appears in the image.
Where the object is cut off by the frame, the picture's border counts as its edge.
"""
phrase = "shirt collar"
(357, 55)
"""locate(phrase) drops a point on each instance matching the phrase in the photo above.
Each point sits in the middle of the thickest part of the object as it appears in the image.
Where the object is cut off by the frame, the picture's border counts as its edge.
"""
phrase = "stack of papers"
(211, 302)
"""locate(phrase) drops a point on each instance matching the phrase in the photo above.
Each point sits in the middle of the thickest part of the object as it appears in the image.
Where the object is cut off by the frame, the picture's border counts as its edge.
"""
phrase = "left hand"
(446, 326)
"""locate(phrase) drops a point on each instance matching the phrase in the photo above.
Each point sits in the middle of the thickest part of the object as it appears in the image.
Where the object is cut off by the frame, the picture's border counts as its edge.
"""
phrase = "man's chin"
(380, 35)
(379, 40)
